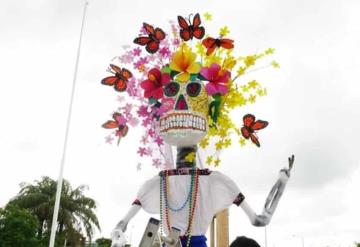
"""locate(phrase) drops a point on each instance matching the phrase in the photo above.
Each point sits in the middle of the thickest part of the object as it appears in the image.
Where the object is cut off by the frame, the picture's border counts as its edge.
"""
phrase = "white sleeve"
(223, 191)
(149, 195)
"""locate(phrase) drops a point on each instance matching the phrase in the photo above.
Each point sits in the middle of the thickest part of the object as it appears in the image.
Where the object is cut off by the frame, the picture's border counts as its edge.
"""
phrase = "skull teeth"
(182, 121)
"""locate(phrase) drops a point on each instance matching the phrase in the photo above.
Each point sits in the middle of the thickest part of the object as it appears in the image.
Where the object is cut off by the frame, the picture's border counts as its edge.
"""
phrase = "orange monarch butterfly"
(151, 42)
(250, 126)
(119, 79)
(190, 30)
(211, 44)
(119, 122)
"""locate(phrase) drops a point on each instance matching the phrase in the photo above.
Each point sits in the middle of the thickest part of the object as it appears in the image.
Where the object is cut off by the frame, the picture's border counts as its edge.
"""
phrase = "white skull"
(186, 124)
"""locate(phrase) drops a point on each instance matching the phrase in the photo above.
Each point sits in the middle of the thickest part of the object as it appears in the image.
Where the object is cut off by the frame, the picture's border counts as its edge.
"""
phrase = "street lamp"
(302, 239)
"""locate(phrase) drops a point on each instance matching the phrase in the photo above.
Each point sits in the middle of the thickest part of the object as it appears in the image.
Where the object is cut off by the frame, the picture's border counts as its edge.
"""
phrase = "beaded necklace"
(190, 199)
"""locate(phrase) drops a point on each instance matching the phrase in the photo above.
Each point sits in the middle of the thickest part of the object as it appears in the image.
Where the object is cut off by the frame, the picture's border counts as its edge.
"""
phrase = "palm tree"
(76, 212)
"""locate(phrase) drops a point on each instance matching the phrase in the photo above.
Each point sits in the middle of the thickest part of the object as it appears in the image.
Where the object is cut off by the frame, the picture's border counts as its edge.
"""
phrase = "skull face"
(186, 124)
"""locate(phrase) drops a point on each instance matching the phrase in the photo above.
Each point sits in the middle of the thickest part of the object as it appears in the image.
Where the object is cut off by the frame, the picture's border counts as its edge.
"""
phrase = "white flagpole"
(60, 179)
(266, 242)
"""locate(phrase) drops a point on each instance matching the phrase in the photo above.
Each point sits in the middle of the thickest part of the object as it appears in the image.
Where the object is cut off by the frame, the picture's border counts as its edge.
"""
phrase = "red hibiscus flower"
(153, 86)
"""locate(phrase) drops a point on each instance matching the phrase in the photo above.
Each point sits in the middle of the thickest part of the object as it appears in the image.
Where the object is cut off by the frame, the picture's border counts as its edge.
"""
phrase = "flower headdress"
(186, 53)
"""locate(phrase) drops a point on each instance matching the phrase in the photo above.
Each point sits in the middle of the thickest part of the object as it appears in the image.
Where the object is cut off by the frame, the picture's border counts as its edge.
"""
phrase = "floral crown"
(186, 53)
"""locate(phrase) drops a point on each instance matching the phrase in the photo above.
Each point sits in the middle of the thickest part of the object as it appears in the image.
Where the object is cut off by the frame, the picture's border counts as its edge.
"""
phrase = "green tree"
(17, 227)
(103, 242)
(76, 212)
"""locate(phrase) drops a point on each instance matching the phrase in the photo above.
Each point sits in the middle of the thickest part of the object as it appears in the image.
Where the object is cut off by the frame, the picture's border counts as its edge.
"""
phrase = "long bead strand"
(192, 209)
(161, 205)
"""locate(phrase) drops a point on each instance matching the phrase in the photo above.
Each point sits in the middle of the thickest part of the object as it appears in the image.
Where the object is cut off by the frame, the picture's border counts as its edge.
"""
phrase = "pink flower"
(146, 122)
(156, 162)
(151, 133)
(167, 104)
(144, 139)
(136, 51)
(176, 42)
(140, 63)
(126, 58)
(217, 77)
(159, 141)
(109, 139)
(153, 86)
(165, 52)
(133, 121)
(143, 111)
(142, 151)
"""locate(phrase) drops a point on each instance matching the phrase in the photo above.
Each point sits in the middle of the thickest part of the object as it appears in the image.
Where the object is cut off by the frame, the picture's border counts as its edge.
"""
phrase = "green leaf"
(153, 101)
(193, 77)
(201, 77)
(173, 73)
(166, 69)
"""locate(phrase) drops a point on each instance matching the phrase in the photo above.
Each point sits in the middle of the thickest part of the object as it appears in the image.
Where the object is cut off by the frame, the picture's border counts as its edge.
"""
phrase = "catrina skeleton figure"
(188, 104)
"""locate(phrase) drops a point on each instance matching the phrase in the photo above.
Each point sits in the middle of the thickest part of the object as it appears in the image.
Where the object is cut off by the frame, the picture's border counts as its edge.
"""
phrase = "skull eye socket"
(193, 89)
(171, 89)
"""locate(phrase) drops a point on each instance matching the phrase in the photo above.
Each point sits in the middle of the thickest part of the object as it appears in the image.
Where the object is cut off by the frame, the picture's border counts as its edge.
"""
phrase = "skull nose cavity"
(181, 103)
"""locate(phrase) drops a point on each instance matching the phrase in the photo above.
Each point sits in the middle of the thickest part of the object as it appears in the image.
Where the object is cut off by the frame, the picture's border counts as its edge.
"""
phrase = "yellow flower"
(190, 157)
(249, 60)
(217, 162)
(208, 16)
(241, 71)
(227, 143)
(200, 49)
(212, 59)
(242, 142)
(252, 98)
(209, 160)
(184, 62)
(253, 84)
(275, 64)
(229, 63)
(224, 31)
(245, 89)
(204, 142)
(269, 51)
(261, 91)
(219, 145)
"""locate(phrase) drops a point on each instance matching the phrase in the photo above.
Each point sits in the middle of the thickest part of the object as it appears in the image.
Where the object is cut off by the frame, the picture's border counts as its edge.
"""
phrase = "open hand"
(291, 165)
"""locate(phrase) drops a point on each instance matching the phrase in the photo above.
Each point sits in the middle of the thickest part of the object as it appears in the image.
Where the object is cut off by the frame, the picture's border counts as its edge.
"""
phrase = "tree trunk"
(40, 229)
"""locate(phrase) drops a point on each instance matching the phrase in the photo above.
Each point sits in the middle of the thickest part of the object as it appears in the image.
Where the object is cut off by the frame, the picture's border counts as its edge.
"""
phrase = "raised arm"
(272, 199)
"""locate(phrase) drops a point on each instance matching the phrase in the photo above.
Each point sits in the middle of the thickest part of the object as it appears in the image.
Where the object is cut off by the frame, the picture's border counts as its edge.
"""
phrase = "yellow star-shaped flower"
(209, 160)
(269, 51)
(241, 71)
(207, 16)
(242, 142)
(229, 63)
(200, 49)
(252, 98)
(261, 91)
(249, 60)
(224, 31)
(218, 145)
(190, 157)
(253, 84)
(227, 142)
(275, 64)
(204, 143)
(217, 162)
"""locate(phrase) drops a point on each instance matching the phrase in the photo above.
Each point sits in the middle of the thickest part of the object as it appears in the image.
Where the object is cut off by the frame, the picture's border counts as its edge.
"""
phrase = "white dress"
(216, 192)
